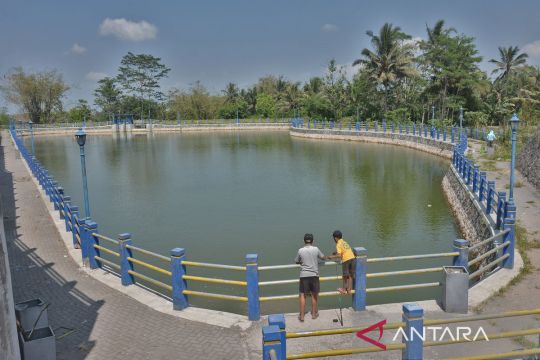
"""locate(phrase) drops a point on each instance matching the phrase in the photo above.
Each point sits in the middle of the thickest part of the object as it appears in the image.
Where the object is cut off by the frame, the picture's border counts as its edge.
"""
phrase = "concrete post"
(59, 205)
(407, 129)
(74, 226)
(461, 246)
(500, 208)
(469, 171)
(393, 126)
(490, 195)
(482, 186)
(413, 317)
(414, 128)
(279, 321)
(67, 205)
(509, 224)
(360, 279)
(384, 126)
(444, 134)
(252, 277)
(400, 129)
(452, 136)
(84, 239)
(125, 253)
(475, 178)
(271, 341)
(178, 270)
(91, 227)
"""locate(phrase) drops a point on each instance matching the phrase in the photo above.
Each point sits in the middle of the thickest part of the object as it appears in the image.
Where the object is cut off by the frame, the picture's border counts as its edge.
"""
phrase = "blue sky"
(239, 41)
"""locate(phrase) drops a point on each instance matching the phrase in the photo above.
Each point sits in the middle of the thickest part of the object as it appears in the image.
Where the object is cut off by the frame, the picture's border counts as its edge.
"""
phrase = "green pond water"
(224, 195)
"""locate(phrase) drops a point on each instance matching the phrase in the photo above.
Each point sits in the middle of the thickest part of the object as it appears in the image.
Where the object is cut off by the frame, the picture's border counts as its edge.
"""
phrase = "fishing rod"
(340, 315)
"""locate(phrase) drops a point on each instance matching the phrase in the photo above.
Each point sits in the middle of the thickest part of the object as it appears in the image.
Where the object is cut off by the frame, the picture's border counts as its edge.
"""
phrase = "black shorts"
(309, 284)
(349, 268)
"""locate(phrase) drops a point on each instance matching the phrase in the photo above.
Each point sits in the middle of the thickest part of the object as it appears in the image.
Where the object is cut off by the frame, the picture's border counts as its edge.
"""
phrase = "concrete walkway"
(107, 324)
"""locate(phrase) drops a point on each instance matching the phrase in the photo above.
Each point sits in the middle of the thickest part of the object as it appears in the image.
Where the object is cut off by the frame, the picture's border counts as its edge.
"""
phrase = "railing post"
(60, 200)
(91, 240)
(279, 321)
(414, 128)
(393, 127)
(462, 247)
(384, 126)
(413, 317)
(500, 208)
(67, 206)
(444, 134)
(179, 284)
(84, 239)
(482, 186)
(452, 135)
(475, 178)
(469, 171)
(359, 297)
(271, 341)
(74, 226)
(252, 277)
(509, 224)
(125, 253)
(490, 194)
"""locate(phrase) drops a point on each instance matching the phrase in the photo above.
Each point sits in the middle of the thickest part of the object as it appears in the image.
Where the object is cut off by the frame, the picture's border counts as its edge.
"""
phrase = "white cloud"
(128, 30)
(77, 49)
(329, 28)
(95, 76)
(533, 49)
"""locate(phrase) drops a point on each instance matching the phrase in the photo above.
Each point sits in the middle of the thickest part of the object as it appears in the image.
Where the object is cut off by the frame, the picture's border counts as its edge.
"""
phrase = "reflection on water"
(224, 195)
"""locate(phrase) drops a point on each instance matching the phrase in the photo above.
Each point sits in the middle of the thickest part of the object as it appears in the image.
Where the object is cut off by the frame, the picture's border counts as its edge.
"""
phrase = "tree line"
(396, 78)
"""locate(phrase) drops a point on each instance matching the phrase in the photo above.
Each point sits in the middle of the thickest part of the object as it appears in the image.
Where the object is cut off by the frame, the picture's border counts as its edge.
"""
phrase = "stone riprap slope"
(528, 161)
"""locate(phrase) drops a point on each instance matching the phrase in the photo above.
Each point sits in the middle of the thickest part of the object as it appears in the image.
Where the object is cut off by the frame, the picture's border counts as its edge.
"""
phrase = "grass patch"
(523, 246)
(489, 165)
(526, 343)
(530, 202)
(517, 184)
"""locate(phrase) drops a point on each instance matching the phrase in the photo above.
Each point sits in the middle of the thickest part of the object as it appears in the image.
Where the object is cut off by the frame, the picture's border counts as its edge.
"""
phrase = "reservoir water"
(226, 194)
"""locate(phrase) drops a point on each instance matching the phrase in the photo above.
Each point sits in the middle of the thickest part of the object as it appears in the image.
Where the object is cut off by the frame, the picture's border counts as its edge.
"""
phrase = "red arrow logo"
(379, 325)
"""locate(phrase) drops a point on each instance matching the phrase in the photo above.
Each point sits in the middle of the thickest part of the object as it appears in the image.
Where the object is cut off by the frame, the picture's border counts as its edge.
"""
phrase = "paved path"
(107, 323)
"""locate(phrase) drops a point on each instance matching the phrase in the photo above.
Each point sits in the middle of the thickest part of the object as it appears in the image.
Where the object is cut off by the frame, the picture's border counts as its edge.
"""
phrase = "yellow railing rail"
(214, 266)
(485, 268)
(340, 352)
(506, 355)
(150, 266)
(496, 336)
(148, 252)
(214, 280)
(488, 253)
(488, 240)
(102, 237)
(150, 280)
(107, 262)
(403, 272)
(412, 257)
(215, 296)
(108, 251)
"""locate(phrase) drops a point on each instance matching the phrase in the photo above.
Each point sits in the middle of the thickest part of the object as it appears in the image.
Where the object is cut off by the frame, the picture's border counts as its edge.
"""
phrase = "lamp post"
(31, 124)
(80, 135)
(514, 122)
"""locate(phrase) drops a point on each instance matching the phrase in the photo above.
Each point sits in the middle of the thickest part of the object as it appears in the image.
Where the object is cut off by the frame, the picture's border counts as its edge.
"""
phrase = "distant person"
(490, 138)
(348, 262)
(308, 257)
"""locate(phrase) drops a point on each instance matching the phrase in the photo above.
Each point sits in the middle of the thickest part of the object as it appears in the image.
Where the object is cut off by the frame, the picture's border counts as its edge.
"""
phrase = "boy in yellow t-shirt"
(348, 263)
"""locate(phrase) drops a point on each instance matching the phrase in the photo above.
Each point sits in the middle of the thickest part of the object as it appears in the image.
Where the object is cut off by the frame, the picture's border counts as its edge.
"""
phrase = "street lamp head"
(514, 122)
(80, 135)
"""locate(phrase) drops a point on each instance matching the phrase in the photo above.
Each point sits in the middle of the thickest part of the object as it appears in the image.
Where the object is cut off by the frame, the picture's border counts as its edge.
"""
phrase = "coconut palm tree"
(231, 93)
(509, 60)
(391, 59)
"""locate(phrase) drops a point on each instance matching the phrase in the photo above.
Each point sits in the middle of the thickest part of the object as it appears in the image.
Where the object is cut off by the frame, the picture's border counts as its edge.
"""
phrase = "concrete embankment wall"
(528, 161)
(431, 146)
(9, 343)
(113, 129)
